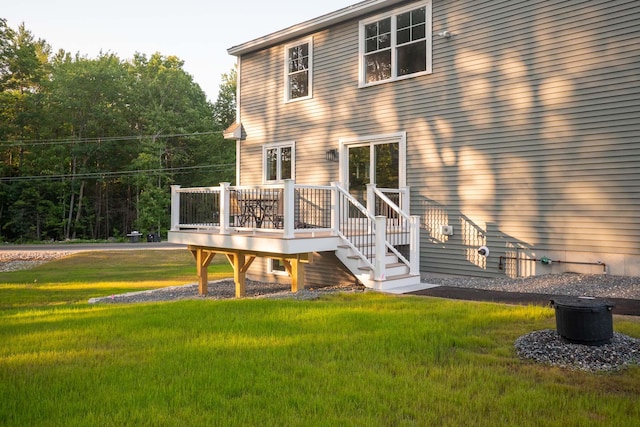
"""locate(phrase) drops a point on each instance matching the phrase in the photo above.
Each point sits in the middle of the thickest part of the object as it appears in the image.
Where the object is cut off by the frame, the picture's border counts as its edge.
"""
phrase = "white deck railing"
(282, 209)
(288, 209)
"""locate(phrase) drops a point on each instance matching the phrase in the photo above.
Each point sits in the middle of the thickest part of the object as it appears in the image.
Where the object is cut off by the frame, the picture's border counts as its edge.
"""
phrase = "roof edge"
(311, 25)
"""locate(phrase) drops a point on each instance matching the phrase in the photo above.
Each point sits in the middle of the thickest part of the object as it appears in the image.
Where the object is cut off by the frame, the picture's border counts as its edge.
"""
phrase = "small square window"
(277, 266)
(278, 162)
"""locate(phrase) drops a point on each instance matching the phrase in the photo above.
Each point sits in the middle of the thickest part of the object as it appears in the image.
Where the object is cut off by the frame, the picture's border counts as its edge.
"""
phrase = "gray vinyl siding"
(526, 136)
(563, 172)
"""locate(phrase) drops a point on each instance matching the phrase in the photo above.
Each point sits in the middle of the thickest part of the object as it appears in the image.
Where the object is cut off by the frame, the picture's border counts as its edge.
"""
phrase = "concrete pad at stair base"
(409, 288)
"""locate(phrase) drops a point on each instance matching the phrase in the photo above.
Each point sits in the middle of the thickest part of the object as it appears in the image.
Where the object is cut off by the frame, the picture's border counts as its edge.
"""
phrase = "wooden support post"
(295, 268)
(297, 275)
(240, 263)
(203, 259)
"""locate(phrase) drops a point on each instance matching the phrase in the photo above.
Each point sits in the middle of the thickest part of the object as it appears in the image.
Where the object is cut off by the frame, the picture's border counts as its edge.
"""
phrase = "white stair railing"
(402, 230)
(371, 235)
(357, 227)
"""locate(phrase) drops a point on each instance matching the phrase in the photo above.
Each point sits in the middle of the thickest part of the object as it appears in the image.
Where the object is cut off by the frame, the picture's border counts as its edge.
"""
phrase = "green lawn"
(84, 275)
(361, 359)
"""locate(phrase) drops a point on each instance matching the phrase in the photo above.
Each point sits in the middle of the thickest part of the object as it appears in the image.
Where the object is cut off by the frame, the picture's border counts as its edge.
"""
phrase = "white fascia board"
(307, 27)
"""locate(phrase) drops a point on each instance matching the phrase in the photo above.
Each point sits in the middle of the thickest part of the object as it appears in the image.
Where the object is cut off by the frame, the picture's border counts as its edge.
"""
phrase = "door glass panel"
(359, 171)
(387, 166)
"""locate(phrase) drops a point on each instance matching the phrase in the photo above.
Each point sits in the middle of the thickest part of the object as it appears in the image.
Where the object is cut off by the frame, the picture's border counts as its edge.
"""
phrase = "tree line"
(90, 146)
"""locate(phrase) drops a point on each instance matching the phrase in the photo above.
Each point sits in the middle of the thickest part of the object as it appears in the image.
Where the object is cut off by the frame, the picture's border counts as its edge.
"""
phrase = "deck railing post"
(225, 207)
(335, 208)
(175, 207)
(380, 248)
(414, 245)
(371, 204)
(405, 193)
(371, 199)
(289, 208)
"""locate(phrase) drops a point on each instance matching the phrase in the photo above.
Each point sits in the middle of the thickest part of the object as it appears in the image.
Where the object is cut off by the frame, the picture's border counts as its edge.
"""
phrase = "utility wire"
(120, 174)
(34, 142)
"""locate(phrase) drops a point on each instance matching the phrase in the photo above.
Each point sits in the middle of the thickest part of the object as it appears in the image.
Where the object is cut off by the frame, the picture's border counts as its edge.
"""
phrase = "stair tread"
(394, 265)
(400, 276)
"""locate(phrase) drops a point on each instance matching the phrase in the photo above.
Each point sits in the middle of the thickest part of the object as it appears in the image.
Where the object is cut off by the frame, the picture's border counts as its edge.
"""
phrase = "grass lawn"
(77, 278)
(350, 359)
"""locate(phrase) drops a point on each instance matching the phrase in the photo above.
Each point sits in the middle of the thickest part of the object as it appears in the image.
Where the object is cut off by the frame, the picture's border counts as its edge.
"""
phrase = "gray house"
(390, 139)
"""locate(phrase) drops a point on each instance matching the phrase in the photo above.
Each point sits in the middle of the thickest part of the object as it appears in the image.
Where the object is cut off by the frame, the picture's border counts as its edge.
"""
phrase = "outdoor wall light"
(445, 34)
(332, 155)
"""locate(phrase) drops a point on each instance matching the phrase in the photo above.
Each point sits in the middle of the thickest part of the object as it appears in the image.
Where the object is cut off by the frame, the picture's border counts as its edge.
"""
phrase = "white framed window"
(396, 45)
(278, 162)
(298, 70)
(276, 266)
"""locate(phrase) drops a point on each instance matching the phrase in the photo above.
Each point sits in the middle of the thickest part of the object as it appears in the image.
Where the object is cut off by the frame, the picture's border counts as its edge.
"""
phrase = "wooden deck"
(242, 248)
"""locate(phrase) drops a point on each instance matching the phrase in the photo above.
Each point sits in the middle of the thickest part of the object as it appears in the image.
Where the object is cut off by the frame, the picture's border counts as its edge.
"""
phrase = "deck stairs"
(390, 272)
(397, 276)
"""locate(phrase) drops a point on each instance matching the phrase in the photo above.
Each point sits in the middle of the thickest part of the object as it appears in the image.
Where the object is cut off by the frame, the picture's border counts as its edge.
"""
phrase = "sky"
(199, 32)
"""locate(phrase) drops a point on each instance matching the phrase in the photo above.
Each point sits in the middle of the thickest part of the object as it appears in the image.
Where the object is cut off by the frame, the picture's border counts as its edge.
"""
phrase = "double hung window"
(278, 162)
(396, 45)
(298, 70)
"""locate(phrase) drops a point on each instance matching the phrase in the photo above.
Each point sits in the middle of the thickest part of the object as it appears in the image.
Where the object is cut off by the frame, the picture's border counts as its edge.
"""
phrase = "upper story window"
(396, 45)
(298, 70)
(278, 162)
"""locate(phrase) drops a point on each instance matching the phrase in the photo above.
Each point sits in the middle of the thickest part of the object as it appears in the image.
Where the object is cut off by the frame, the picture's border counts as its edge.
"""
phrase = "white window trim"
(361, 42)
(309, 41)
(271, 270)
(266, 147)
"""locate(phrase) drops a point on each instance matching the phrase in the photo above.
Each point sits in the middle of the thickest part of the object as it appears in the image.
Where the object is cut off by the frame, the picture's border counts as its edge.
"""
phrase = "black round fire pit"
(586, 321)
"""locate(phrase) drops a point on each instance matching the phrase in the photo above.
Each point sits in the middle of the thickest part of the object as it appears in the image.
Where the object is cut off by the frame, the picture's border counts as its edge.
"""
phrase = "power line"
(120, 174)
(35, 142)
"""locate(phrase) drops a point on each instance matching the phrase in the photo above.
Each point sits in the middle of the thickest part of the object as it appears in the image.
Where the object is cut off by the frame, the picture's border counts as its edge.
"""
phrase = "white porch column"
(289, 208)
(225, 207)
(379, 263)
(175, 207)
(414, 245)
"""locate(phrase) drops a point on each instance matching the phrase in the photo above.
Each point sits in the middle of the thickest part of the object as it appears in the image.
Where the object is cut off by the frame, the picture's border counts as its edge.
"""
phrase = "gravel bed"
(549, 348)
(567, 284)
(24, 260)
(222, 289)
(600, 286)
